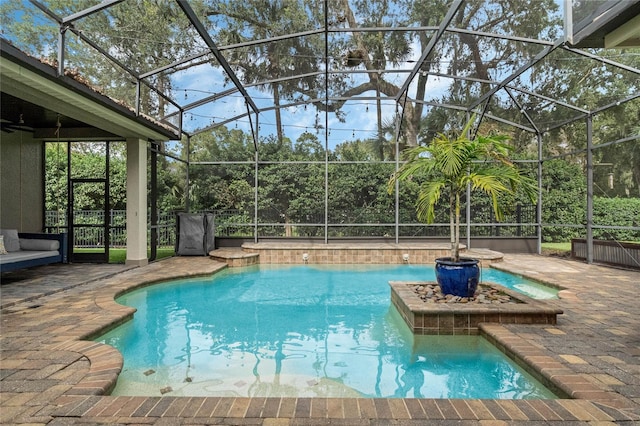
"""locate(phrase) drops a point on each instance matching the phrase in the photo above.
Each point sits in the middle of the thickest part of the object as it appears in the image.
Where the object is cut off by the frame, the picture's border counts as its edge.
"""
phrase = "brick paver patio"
(49, 373)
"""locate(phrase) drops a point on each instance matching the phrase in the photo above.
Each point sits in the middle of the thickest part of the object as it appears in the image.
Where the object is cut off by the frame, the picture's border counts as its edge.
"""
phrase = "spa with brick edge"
(52, 375)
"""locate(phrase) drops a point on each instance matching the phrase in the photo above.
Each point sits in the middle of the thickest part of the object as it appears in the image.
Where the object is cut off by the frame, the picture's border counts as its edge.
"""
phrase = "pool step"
(235, 257)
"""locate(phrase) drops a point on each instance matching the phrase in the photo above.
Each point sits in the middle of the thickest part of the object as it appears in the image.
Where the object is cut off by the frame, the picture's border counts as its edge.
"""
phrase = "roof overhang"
(614, 24)
(626, 35)
(33, 81)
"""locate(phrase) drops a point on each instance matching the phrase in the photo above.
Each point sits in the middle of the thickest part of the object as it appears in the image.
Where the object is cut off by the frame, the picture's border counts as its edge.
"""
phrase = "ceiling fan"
(12, 126)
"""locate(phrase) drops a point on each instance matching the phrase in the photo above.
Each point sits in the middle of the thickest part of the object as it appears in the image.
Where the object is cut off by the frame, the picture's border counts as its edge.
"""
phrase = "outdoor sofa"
(25, 250)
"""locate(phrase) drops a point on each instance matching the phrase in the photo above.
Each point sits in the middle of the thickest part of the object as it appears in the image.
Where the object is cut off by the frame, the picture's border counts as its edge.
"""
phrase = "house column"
(136, 202)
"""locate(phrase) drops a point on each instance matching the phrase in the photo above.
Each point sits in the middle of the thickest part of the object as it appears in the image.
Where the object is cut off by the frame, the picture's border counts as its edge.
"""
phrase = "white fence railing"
(228, 223)
(90, 235)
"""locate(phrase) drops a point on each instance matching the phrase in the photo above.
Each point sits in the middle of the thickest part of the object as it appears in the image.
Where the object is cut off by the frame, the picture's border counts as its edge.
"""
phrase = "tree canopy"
(347, 81)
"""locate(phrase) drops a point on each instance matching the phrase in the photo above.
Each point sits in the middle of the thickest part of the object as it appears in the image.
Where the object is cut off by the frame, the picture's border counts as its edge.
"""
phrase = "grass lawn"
(119, 255)
(565, 248)
(557, 249)
(557, 246)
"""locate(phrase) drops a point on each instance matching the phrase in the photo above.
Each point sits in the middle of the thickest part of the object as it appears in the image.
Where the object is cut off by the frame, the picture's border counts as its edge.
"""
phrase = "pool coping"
(87, 399)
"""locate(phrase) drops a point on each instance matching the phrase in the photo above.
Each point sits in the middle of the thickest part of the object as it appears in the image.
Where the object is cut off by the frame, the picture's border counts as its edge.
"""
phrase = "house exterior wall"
(21, 182)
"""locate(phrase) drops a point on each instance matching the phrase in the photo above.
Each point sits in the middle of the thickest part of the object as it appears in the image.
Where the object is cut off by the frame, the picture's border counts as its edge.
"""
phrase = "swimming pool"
(311, 330)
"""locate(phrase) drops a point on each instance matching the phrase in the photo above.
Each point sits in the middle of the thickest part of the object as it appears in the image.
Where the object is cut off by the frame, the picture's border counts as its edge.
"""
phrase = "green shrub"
(616, 212)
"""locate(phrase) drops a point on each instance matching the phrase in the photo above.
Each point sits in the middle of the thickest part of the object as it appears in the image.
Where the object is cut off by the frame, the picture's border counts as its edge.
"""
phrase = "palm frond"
(482, 162)
(428, 198)
(449, 155)
(487, 183)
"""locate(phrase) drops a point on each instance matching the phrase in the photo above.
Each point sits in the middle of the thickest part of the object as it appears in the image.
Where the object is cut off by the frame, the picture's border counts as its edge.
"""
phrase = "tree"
(256, 38)
(143, 35)
(292, 193)
(564, 199)
(357, 195)
(56, 181)
(591, 85)
(272, 65)
(221, 187)
(456, 162)
(87, 161)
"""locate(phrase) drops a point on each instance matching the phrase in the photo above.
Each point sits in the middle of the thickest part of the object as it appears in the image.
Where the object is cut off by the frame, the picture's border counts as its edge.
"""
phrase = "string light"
(290, 126)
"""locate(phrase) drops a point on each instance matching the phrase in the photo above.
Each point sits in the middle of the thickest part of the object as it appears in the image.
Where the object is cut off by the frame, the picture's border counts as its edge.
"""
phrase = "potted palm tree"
(452, 163)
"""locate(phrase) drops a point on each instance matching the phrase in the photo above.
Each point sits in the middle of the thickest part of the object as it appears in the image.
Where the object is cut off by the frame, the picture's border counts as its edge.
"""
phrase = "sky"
(360, 120)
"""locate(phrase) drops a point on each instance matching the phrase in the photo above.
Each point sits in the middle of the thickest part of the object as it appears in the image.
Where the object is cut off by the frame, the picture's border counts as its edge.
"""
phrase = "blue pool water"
(307, 330)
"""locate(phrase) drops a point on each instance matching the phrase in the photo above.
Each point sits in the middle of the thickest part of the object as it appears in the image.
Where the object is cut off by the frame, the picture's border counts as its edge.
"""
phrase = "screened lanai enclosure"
(293, 115)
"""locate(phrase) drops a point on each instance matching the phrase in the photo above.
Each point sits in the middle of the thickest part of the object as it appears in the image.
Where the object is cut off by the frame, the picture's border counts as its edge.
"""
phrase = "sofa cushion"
(11, 240)
(2, 249)
(39, 244)
(27, 255)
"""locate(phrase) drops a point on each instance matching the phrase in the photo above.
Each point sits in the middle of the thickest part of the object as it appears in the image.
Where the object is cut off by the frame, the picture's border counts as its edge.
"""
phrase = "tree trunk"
(452, 226)
(274, 69)
(457, 230)
(410, 129)
(379, 119)
(276, 102)
(288, 228)
(411, 121)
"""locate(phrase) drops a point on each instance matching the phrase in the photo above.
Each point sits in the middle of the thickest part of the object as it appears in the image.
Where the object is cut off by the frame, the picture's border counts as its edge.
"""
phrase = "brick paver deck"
(49, 373)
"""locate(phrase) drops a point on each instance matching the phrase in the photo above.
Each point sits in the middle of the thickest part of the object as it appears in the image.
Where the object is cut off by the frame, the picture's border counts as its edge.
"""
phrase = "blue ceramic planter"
(457, 278)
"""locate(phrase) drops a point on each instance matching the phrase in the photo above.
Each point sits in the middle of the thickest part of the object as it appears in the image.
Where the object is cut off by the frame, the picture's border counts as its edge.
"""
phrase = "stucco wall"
(21, 182)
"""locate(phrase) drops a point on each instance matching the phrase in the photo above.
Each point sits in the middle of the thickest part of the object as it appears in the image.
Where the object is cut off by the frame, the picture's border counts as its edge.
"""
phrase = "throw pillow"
(11, 241)
(2, 249)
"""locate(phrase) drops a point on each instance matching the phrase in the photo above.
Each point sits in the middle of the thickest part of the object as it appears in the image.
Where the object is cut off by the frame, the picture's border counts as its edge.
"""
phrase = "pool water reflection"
(300, 331)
